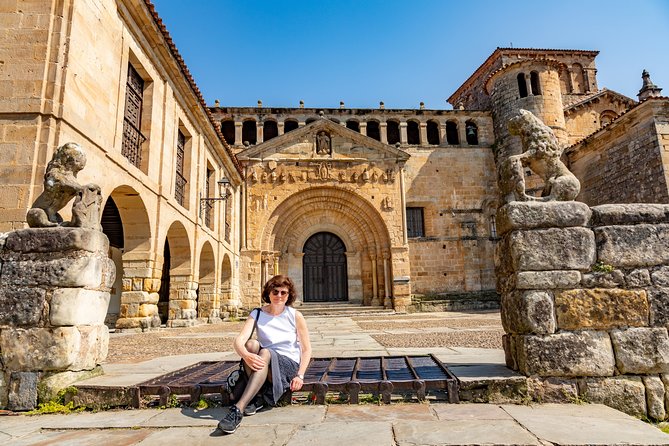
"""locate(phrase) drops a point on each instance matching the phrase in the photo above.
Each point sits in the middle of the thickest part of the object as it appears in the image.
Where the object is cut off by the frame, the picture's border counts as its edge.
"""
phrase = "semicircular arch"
(134, 218)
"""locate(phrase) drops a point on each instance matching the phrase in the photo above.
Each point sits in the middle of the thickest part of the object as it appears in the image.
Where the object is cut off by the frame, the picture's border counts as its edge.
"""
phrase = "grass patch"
(58, 405)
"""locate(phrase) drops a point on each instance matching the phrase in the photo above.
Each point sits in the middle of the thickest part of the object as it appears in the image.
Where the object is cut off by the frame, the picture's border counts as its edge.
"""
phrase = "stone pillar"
(259, 132)
(139, 298)
(423, 132)
(238, 132)
(183, 301)
(387, 298)
(383, 130)
(276, 264)
(363, 128)
(403, 133)
(280, 126)
(442, 133)
(462, 131)
(585, 296)
(54, 293)
(375, 280)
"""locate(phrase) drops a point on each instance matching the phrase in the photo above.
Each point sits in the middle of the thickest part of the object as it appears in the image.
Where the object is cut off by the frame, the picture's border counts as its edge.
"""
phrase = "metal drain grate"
(379, 374)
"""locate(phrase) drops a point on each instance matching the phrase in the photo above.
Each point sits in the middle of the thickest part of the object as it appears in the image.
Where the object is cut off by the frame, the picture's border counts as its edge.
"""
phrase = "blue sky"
(400, 52)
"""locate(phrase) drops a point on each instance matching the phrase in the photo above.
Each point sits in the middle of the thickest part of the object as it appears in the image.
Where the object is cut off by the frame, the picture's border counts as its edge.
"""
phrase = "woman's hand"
(255, 362)
(296, 384)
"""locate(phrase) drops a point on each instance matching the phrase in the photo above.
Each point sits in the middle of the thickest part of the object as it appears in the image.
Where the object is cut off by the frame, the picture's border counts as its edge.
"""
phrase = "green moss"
(58, 405)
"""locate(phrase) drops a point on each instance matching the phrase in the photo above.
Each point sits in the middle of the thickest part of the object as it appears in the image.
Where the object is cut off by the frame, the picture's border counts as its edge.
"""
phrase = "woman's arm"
(254, 361)
(305, 351)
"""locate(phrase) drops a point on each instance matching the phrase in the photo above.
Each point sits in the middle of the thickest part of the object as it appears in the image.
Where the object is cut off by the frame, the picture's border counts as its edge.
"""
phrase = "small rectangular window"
(131, 145)
(415, 223)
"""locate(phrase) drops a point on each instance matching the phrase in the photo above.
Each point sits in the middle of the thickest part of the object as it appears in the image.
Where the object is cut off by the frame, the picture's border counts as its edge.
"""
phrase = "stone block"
(638, 278)
(108, 273)
(614, 279)
(661, 276)
(148, 310)
(551, 249)
(153, 298)
(510, 354)
(39, 348)
(151, 285)
(540, 280)
(64, 272)
(625, 393)
(78, 306)
(665, 381)
(4, 388)
(601, 309)
(535, 215)
(641, 350)
(654, 397)
(552, 390)
(52, 383)
(629, 214)
(568, 354)
(93, 348)
(633, 246)
(134, 297)
(22, 305)
(60, 239)
(525, 312)
(658, 299)
(22, 391)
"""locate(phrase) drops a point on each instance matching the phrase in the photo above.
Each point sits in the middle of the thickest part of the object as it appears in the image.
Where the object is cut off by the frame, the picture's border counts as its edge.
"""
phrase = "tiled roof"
(600, 93)
(189, 78)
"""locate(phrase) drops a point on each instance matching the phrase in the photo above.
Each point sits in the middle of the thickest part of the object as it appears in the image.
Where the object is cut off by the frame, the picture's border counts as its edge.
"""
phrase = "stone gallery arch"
(138, 298)
(343, 214)
(207, 296)
(228, 305)
(182, 294)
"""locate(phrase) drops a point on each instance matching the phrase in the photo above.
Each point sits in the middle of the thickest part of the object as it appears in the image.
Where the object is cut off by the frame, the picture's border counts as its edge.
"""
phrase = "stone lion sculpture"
(541, 154)
(60, 186)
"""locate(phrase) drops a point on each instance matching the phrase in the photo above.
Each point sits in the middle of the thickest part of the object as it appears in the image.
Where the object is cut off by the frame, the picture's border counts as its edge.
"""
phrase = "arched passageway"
(324, 269)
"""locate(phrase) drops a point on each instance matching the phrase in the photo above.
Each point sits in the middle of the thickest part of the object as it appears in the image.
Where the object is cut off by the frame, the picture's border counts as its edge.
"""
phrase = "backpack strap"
(255, 323)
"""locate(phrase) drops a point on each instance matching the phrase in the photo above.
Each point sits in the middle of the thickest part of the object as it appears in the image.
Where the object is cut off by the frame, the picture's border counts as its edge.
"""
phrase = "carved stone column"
(363, 128)
(403, 133)
(280, 126)
(238, 132)
(423, 133)
(383, 130)
(375, 280)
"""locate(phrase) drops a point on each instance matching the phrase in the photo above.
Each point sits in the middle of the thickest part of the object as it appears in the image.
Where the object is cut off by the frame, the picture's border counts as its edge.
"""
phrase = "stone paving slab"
(85, 438)
(373, 412)
(201, 436)
(99, 420)
(462, 432)
(470, 412)
(362, 433)
(593, 424)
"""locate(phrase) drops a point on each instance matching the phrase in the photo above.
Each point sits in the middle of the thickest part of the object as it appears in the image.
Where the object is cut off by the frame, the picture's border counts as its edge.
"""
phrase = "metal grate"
(379, 374)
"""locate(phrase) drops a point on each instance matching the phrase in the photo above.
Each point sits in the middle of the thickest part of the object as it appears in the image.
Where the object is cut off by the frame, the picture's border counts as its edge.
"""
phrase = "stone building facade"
(106, 75)
(369, 206)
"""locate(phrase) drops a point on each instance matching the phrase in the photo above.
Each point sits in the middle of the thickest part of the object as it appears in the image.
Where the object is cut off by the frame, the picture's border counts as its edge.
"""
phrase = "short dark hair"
(278, 282)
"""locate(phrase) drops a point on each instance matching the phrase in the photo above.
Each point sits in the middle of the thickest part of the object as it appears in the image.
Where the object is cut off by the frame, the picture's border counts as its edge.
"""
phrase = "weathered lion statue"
(541, 154)
(60, 186)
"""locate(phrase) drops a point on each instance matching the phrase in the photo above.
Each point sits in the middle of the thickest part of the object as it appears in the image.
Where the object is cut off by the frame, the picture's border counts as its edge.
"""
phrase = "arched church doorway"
(324, 269)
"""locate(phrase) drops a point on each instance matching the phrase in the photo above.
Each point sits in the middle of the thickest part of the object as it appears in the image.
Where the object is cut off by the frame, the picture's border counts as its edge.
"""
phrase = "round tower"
(533, 85)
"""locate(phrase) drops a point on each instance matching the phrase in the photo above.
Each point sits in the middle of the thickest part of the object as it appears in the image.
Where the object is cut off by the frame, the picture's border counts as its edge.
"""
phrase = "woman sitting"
(279, 357)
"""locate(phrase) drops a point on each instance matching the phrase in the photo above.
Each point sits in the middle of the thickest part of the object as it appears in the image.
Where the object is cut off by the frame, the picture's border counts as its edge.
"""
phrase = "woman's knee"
(252, 346)
(265, 354)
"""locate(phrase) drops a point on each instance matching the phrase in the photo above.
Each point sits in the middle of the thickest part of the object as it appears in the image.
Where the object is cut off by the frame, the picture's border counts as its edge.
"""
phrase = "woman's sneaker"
(231, 421)
(253, 407)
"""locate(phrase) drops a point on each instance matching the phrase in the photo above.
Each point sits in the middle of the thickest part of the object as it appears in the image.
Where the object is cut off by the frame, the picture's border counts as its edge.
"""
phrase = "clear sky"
(400, 52)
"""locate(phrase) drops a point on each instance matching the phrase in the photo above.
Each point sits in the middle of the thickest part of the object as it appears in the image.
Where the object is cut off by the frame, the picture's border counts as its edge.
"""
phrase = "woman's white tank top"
(279, 333)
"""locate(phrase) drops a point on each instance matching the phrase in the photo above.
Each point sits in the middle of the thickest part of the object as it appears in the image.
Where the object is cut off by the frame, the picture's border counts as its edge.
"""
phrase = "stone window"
(373, 130)
(208, 206)
(472, 132)
(522, 85)
(180, 179)
(534, 83)
(413, 132)
(290, 125)
(249, 132)
(269, 130)
(433, 133)
(228, 130)
(393, 130)
(452, 136)
(353, 125)
(133, 139)
(415, 222)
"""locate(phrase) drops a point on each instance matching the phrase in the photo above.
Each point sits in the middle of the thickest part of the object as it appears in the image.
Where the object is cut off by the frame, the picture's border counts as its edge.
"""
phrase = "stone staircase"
(342, 309)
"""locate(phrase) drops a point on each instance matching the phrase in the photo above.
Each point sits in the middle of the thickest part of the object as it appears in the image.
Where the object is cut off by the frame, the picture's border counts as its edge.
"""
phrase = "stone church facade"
(368, 206)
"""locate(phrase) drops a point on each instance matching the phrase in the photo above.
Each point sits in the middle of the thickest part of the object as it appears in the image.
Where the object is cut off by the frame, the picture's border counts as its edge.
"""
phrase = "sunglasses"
(280, 292)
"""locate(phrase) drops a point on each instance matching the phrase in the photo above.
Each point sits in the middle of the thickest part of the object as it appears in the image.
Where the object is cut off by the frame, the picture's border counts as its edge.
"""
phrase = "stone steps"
(341, 309)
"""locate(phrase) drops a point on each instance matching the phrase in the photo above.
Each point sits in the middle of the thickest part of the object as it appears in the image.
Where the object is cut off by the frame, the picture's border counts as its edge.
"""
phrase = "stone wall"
(626, 162)
(54, 293)
(585, 301)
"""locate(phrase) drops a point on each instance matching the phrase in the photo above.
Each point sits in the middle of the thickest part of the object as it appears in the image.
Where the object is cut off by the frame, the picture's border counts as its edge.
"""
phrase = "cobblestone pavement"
(418, 330)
